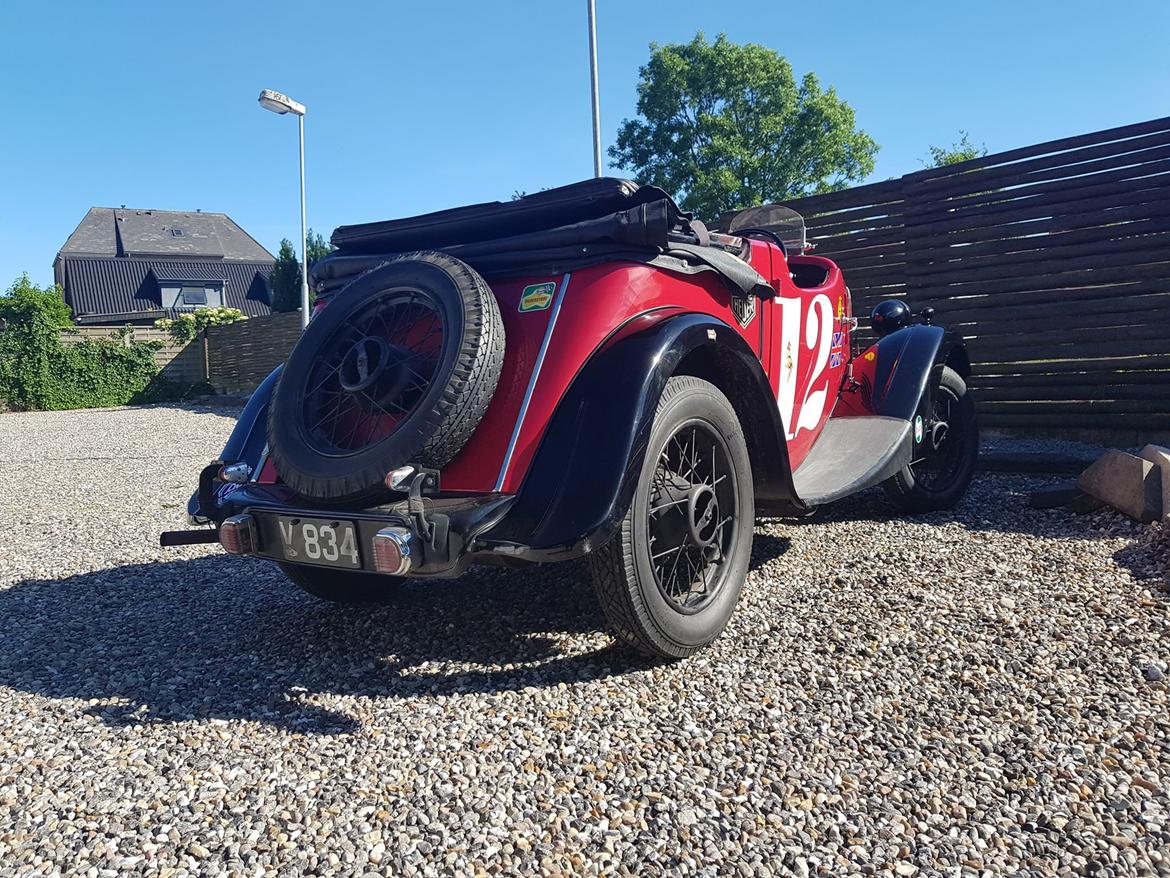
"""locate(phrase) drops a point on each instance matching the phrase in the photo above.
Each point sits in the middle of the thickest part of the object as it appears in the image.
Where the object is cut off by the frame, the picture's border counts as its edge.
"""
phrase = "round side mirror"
(888, 316)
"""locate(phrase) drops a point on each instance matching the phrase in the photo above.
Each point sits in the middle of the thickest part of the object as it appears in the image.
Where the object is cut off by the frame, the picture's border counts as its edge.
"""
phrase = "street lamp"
(279, 103)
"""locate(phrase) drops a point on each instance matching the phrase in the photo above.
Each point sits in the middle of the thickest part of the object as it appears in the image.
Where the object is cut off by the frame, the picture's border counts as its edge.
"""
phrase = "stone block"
(1126, 482)
(1160, 457)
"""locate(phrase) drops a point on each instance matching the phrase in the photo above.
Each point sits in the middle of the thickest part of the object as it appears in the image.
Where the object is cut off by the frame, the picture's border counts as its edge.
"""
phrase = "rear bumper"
(444, 530)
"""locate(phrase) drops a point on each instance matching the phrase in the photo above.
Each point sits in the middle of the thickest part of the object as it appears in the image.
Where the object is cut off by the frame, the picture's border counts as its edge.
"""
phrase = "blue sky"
(415, 107)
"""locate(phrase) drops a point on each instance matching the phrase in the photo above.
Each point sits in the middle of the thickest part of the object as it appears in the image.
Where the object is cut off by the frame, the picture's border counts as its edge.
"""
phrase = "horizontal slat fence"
(1053, 261)
(183, 364)
(240, 355)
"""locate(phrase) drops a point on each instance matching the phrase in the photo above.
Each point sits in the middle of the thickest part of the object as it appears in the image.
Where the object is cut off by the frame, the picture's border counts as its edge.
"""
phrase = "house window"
(177, 233)
(193, 296)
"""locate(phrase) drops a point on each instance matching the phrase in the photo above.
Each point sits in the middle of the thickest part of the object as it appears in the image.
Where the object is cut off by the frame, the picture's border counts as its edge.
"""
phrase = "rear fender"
(248, 438)
(584, 473)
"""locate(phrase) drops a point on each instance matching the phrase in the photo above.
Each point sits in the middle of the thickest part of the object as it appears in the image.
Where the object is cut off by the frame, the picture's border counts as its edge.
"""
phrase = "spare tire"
(399, 368)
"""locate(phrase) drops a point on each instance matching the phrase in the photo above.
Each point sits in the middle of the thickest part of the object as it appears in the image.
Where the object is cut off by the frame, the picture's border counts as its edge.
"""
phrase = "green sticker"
(537, 297)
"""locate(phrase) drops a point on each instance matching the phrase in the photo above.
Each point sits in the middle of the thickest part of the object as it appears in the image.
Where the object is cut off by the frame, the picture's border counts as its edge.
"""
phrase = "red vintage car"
(584, 371)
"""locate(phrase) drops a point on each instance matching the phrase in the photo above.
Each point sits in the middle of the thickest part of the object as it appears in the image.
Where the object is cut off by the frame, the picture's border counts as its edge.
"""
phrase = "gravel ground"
(976, 694)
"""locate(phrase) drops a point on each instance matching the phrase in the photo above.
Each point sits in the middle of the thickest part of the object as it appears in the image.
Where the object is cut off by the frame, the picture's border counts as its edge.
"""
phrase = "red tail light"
(237, 535)
(392, 551)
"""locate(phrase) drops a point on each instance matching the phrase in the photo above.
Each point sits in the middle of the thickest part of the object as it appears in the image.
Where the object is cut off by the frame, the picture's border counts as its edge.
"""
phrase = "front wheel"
(670, 578)
(342, 586)
(946, 447)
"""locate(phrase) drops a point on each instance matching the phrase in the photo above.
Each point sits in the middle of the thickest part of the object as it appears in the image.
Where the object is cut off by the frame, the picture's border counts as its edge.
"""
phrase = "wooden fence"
(1053, 261)
(240, 355)
(184, 364)
(233, 358)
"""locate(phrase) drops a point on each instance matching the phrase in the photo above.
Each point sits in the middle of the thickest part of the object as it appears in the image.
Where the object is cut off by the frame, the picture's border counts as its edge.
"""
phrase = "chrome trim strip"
(552, 322)
(260, 463)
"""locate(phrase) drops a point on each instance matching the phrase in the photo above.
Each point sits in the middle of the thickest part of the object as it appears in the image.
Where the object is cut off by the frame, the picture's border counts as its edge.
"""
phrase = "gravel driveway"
(983, 693)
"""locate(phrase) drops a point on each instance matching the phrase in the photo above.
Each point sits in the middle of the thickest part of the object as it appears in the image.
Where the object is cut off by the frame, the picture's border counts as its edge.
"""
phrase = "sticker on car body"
(537, 297)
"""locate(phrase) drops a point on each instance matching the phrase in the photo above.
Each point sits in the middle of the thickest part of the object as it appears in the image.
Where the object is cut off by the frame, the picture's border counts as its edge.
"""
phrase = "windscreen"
(784, 222)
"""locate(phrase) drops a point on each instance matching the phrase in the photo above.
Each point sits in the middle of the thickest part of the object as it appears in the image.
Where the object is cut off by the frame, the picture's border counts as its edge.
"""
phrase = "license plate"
(319, 541)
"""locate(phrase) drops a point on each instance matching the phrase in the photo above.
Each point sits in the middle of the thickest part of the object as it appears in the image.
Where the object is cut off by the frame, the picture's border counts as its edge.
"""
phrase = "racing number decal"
(818, 337)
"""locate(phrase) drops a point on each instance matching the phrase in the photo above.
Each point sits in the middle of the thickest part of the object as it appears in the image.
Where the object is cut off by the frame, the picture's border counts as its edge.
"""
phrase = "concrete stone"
(1050, 498)
(1127, 483)
(1160, 457)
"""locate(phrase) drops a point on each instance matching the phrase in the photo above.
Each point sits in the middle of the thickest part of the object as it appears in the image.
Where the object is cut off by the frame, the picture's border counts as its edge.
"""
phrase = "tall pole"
(304, 235)
(593, 83)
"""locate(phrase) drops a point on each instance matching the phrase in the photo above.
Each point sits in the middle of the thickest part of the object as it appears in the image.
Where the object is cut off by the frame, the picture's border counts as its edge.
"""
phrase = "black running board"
(852, 454)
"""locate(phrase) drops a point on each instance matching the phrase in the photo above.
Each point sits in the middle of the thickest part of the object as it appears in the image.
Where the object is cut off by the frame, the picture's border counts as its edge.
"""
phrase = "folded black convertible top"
(548, 232)
(565, 205)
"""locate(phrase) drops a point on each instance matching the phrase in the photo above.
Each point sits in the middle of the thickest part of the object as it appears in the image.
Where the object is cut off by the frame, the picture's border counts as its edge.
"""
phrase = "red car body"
(809, 324)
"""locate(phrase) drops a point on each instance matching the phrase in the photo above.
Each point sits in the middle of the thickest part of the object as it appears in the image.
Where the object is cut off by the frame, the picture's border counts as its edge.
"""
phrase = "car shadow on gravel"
(226, 638)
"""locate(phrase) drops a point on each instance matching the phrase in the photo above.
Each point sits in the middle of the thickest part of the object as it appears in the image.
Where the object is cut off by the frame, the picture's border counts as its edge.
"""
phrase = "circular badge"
(917, 429)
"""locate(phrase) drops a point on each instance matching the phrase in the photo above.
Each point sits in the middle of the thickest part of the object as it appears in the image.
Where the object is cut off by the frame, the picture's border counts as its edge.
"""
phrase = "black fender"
(250, 434)
(905, 359)
(584, 473)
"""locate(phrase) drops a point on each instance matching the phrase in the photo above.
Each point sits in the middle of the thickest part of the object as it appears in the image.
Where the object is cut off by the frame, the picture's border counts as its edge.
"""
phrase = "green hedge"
(37, 371)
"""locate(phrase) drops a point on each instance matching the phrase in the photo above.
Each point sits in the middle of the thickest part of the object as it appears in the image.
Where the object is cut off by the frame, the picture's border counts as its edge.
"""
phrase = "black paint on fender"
(249, 436)
(905, 359)
(583, 476)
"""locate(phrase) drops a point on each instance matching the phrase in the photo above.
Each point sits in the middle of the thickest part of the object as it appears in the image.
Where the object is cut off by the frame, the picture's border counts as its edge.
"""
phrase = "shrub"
(38, 372)
(25, 302)
(187, 326)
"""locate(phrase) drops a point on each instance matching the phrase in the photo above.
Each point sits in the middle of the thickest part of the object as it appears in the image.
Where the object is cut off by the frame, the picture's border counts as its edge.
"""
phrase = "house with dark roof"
(134, 266)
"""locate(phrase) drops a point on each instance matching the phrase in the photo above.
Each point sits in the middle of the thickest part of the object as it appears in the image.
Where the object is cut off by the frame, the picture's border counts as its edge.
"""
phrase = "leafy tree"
(286, 279)
(318, 247)
(960, 151)
(25, 301)
(286, 274)
(724, 125)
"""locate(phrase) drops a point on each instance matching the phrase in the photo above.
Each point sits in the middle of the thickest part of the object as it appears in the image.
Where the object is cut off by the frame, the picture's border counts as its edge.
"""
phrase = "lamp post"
(279, 103)
(593, 85)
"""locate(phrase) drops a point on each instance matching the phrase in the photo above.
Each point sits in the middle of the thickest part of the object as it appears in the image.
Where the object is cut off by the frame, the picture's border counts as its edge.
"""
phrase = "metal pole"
(593, 83)
(304, 236)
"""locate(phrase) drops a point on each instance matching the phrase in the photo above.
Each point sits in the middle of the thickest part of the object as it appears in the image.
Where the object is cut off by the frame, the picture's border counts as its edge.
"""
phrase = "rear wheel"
(342, 586)
(672, 575)
(946, 447)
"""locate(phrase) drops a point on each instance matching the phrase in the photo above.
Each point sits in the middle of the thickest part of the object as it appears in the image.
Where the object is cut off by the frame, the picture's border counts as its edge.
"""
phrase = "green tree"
(24, 302)
(318, 247)
(960, 151)
(286, 279)
(286, 274)
(723, 125)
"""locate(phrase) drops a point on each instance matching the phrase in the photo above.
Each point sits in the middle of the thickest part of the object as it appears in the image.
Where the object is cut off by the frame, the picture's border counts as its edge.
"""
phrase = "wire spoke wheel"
(398, 368)
(946, 447)
(690, 521)
(670, 578)
(942, 442)
(373, 372)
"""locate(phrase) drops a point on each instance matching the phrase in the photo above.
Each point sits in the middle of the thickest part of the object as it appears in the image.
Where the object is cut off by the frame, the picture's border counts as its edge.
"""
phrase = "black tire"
(412, 417)
(635, 595)
(943, 464)
(342, 586)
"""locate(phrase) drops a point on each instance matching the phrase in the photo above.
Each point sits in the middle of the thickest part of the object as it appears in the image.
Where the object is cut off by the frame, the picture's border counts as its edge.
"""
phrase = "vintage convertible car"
(583, 371)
